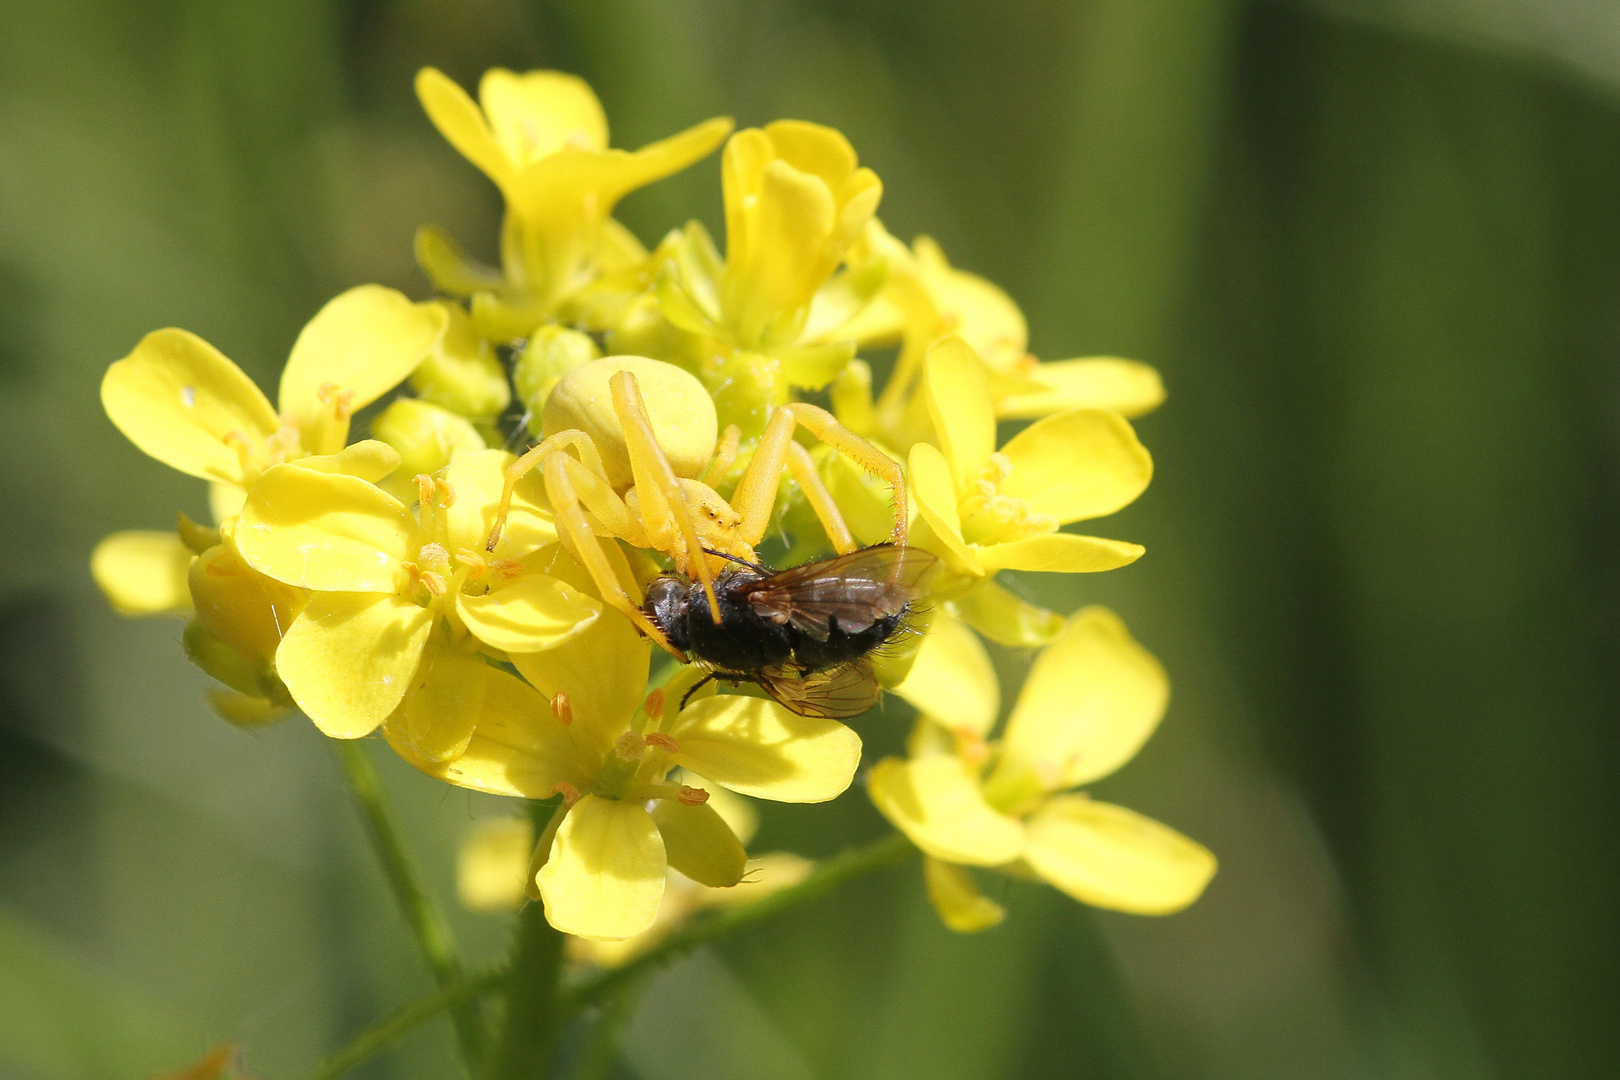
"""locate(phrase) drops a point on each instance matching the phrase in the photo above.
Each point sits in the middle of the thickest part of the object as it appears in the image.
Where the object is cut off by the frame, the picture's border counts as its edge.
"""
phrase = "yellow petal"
(518, 747)
(758, 748)
(984, 316)
(1111, 857)
(182, 402)
(324, 531)
(477, 479)
(1127, 387)
(539, 113)
(449, 268)
(349, 658)
(1005, 618)
(528, 614)
(1077, 465)
(369, 460)
(1059, 553)
(462, 124)
(935, 490)
(492, 864)
(700, 844)
(143, 572)
(361, 345)
(225, 500)
(935, 801)
(952, 679)
(606, 872)
(1089, 703)
(445, 699)
(960, 904)
(603, 672)
(960, 405)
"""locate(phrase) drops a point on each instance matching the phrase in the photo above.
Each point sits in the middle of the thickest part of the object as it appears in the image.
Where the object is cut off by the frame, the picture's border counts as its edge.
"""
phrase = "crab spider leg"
(723, 456)
(657, 489)
(526, 464)
(820, 423)
(587, 548)
(755, 493)
(803, 468)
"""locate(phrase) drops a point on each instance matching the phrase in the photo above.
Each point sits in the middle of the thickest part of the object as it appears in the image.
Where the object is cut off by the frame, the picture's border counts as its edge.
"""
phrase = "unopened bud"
(552, 352)
(461, 373)
(427, 437)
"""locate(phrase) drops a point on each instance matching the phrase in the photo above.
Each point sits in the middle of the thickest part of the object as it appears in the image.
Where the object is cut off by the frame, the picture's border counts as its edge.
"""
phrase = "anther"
(434, 583)
(505, 569)
(654, 706)
(447, 495)
(568, 791)
(424, 489)
(562, 709)
(475, 563)
(692, 796)
(341, 400)
(663, 742)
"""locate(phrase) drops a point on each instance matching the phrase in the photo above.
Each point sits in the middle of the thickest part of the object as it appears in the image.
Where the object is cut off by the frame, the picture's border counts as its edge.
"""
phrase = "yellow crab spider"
(622, 480)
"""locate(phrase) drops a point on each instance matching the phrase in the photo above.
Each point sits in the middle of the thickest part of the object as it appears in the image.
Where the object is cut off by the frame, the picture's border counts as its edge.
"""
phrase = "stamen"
(568, 791)
(424, 489)
(447, 494)
(663, 742)
(505, 569)
(654, 707)
(434, 583)
(477, 566)
(341, 400)
(692, 796)
(562, 709)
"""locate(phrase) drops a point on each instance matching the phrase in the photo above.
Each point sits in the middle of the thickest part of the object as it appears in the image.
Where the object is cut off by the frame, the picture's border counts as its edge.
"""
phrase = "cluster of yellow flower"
(489, 613)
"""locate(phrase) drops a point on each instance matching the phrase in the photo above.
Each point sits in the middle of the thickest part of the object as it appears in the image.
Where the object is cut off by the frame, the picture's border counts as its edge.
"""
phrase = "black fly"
(806, 634)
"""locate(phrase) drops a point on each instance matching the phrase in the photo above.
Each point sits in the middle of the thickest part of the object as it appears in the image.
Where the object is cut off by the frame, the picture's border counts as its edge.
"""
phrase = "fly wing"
(834, 694)
(857, 589)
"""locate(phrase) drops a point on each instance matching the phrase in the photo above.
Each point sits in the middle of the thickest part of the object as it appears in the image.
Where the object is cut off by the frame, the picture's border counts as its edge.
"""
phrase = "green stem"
(426, 924)
(532, 1020)
(602, 1046)
(396, 1024)
(826, 877)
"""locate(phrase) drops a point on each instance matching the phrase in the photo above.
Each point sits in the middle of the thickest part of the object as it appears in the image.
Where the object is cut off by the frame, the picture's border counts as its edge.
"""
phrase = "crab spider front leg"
(561, 474)
(526, 464)
(658, 491)
(756, 491)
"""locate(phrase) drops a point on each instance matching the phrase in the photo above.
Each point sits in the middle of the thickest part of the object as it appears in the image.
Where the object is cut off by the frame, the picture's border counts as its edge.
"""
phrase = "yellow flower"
(143, 572)
(1090, 702)
(600, 865)
(984, 510)
(795, 203)
(543, 139)
(924, 298)
(182, 402)
(384, 580)
(493, 864)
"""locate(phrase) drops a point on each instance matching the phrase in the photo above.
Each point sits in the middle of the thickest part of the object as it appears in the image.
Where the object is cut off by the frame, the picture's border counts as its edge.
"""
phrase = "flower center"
(990, 516)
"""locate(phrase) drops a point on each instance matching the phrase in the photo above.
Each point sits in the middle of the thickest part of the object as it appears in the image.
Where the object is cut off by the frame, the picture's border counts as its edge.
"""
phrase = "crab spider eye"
(679, 408)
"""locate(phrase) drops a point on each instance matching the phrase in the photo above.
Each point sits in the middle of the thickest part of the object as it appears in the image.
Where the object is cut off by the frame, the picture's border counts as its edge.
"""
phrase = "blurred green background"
(1373, 247)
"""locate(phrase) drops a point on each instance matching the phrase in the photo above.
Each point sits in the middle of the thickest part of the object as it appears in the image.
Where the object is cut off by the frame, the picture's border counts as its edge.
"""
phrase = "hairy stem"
(423, 918)
(532, 1020)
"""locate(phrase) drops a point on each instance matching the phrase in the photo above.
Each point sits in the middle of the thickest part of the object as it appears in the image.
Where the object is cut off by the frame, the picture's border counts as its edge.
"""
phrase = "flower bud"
(552, 352)
(679, 408)
(242, 609)
(461, 372)
(427, 438)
